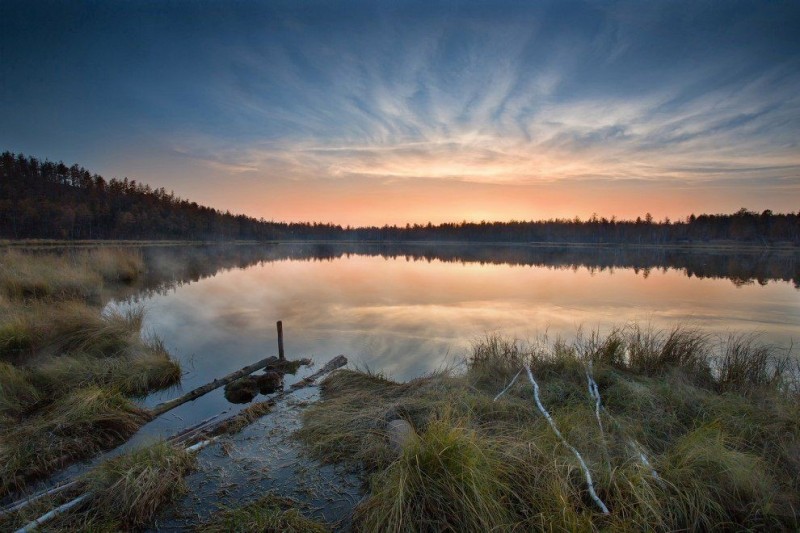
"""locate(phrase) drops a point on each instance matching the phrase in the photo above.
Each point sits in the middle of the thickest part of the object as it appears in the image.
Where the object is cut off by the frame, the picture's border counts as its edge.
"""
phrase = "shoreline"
(691, 247)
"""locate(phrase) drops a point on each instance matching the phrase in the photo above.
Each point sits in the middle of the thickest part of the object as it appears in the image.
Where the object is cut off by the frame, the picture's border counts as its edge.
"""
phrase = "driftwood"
(246, 417)
(162, 408)
(52, 514)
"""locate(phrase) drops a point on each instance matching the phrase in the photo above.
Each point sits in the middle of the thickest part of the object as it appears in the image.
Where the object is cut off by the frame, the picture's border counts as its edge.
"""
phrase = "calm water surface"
(406, 314)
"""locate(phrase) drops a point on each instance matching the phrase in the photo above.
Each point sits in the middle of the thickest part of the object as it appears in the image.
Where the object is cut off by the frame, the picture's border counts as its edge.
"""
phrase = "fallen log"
(163, 407)
(247, 416)
(192, 395)
(191, 429)
(31, 526)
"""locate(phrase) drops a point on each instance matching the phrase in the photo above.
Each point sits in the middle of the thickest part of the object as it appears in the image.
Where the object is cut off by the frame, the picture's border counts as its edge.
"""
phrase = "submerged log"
(162, 408)
(259, 409)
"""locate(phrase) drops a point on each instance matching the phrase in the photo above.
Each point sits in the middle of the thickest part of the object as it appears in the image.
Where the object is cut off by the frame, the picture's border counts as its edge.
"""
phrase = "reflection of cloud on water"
(407, 319)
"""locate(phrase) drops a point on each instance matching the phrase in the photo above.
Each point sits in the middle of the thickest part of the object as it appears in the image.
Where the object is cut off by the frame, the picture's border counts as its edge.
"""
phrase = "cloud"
(670, 94)
(499, 103)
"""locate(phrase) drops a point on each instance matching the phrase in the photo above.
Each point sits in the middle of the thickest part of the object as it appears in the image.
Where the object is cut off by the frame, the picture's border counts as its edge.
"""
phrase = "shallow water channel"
(406, 311)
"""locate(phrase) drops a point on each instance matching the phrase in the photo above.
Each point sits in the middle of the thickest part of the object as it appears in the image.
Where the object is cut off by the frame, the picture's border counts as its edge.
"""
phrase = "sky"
(392, 112)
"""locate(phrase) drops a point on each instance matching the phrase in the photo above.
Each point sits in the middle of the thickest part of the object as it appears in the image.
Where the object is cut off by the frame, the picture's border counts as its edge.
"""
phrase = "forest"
(46, 200)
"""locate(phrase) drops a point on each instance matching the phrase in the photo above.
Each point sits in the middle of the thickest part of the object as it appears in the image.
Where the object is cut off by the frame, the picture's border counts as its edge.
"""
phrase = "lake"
(407, 310)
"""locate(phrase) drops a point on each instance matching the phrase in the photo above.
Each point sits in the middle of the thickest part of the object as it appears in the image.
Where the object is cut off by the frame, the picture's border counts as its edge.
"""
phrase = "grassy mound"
(447, 468)
(719, 452)
(270, 513)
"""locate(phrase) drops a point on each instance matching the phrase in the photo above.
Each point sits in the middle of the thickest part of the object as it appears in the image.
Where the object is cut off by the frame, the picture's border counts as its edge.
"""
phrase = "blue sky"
(373, 112)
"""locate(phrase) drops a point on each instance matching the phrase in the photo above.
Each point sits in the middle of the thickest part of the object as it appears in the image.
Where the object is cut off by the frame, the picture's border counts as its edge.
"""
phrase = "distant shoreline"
(690, 246)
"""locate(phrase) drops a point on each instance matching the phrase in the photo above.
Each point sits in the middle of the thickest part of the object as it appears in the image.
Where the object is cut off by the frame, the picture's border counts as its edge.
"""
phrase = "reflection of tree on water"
(170, 267)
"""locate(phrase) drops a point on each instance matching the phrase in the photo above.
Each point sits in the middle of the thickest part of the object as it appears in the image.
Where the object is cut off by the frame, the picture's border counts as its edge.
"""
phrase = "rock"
(399, 432)
(269, 382)
(242, 390)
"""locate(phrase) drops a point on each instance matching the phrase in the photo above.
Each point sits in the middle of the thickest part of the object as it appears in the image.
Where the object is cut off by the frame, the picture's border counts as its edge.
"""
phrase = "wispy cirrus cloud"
(671, 95)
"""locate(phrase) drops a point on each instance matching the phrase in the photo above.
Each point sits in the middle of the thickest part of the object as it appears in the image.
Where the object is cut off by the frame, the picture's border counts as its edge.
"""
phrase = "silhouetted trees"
(51, 200)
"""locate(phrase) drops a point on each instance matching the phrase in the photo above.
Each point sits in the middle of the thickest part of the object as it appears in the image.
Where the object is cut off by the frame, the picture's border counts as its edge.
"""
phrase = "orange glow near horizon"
(397, 202)
(475, 178)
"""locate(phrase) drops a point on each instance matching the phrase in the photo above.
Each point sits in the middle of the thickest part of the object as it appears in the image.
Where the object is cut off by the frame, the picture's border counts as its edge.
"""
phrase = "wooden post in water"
(281, 355)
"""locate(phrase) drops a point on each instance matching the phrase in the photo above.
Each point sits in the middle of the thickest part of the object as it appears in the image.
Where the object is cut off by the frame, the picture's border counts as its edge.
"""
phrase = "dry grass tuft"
(130, 489)
(116, 264)
(446, 479)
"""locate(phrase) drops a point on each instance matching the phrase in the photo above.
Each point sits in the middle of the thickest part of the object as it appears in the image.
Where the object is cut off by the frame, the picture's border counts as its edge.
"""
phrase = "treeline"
(50, 200)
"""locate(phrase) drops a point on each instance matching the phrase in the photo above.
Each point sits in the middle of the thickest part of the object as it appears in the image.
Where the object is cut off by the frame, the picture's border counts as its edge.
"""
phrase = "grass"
(134, 375)
(125, 492)
(269, 513)
(718, 421)
(447, 468)
(67, 276)
(80, 424)
(46, 276)
(128, 490)
(17, 393)
(68, 370)
(116, 264)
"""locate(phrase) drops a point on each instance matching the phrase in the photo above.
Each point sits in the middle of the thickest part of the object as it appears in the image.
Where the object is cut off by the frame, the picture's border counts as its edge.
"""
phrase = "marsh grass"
(46, 276)
(76, 328)
(67, 327)
(17, 393)
(135, 375)
(270, 513)
(79, 425)
(68, 370)
(724, 450)
(17, 337)
(76, 275)
(130, 489)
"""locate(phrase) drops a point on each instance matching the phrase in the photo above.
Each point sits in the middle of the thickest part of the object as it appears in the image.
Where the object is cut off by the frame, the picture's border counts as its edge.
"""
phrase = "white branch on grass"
(52, 514)
(594, 392)
(577, 454)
